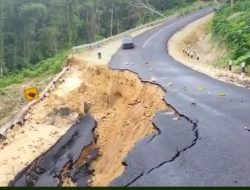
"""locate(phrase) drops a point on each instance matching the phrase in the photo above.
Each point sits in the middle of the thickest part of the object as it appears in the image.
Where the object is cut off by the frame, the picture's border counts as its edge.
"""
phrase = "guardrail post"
(99, 55)
(72, 53)
(230, 65)
(243, 67)
(197, 57)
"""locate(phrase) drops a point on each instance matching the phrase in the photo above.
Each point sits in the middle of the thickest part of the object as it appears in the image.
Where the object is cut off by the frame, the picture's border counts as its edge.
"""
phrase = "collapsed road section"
(66, 162)
(77, 159)
(123, 108)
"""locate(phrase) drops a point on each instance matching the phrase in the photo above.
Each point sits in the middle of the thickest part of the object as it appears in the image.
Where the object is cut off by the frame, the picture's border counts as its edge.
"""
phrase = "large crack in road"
(137, 152)
(173, 120)
(195, 130)
(178, 153)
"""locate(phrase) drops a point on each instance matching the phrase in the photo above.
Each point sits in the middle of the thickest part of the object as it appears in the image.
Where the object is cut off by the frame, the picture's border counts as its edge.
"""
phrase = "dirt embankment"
(122, 105)
(194, 47)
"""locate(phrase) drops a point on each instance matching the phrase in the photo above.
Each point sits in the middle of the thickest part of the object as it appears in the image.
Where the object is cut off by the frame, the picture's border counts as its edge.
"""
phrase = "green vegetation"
(43, 68)
(231, 25)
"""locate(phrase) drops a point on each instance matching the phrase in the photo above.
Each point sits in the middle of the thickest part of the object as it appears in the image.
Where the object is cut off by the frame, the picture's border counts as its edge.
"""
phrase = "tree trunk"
(26, 48)
(117, 20)
(69, 23)
(1, 71)
(112, 18)
(232, 3)
(2, 59)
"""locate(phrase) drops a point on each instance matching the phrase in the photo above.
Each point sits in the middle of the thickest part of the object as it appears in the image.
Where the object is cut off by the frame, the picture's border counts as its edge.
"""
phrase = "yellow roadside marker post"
(31, 93)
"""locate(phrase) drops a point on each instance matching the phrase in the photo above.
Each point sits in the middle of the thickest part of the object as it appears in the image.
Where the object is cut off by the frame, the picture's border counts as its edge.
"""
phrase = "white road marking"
(153, 79)
(155, 34)
(169, 113)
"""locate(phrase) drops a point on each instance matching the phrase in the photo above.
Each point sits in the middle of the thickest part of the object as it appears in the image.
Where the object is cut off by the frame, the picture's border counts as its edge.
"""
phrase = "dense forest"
(34, 30)
(231, 25)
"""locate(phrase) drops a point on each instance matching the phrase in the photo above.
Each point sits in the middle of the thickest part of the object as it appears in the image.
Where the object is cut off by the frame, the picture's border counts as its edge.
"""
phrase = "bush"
(231, 25)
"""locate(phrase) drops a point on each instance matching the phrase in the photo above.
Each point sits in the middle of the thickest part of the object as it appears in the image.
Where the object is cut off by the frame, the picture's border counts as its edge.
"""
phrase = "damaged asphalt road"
(60, 162)
(208, 144)
(174, 138)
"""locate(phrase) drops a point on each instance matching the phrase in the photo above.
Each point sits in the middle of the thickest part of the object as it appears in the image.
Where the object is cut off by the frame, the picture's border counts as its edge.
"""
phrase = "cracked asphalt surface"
(47, 169)
(208, 145)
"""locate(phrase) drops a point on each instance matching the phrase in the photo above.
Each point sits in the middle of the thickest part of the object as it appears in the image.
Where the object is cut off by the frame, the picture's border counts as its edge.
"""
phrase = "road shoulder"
(192, 47)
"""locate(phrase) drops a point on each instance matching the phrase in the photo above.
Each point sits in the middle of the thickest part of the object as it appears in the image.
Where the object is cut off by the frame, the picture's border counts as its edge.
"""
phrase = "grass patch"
(42, 69)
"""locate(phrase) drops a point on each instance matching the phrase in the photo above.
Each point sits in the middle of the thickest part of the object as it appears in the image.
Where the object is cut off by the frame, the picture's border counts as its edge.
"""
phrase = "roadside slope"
(195, 40)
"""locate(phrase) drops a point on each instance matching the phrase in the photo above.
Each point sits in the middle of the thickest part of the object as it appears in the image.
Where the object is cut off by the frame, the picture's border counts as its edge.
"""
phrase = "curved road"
(208, 144)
